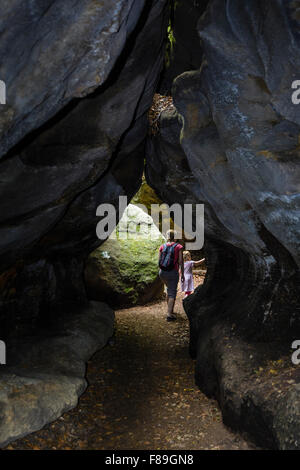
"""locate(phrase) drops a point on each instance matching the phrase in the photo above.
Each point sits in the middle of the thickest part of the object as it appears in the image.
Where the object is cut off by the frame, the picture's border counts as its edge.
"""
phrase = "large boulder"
(124, 272)
(45, 374)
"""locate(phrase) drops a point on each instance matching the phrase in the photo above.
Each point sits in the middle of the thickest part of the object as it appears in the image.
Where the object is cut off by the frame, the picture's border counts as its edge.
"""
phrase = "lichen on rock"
(123, 271)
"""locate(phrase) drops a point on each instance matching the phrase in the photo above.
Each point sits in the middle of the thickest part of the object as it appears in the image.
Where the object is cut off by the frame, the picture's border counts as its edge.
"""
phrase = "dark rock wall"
(53, 52)
(183, 51)
(234, 146)
(81, 78)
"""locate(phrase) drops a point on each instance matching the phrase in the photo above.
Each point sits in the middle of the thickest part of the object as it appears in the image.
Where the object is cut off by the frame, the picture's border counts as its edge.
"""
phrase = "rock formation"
(79, 86)
(233, 144)
(183, 51)
(124, 272)
(80, 79)
(45, 374)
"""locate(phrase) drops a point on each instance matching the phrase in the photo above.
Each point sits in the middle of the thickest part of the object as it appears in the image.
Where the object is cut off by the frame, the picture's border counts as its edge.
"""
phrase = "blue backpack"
(167, 257)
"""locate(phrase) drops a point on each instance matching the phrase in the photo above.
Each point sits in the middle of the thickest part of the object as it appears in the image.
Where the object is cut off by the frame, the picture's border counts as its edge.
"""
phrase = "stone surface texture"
(233, 144)
(123, 271)
(72, 137)
(45, 374)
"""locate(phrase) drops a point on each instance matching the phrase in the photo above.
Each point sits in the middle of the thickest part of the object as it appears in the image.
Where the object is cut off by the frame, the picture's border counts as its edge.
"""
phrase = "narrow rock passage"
(141, 394)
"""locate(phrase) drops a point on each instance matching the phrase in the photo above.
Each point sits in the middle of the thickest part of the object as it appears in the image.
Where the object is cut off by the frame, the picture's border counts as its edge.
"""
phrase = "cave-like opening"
(75, 135)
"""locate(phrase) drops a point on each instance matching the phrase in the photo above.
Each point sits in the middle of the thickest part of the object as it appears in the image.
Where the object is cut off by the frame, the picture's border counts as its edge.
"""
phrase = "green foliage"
(170, 34)
(170, 46)
(171, 38)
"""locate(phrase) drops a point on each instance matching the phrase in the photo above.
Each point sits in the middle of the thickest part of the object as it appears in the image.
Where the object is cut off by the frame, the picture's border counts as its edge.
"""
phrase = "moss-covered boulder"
(124, 270)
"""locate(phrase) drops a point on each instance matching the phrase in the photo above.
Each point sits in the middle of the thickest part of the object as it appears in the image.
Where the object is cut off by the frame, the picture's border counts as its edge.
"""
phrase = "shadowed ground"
(141, 394)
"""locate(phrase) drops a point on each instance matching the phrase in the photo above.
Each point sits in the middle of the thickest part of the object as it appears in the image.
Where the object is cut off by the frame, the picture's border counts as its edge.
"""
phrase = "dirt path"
(141, 394)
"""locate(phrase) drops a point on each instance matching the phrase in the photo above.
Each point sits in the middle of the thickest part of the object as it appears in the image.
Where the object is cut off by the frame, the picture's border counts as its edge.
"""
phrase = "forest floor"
(141, 393)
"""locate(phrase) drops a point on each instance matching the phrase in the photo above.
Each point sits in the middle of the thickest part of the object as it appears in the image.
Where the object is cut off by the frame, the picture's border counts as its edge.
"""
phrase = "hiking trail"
(141, 394)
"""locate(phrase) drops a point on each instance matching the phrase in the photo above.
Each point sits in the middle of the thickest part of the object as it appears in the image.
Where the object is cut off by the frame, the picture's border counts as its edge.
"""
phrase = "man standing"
(170, 259)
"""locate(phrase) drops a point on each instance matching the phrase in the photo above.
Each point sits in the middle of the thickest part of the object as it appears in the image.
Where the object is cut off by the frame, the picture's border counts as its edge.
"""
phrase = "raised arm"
(197, 263)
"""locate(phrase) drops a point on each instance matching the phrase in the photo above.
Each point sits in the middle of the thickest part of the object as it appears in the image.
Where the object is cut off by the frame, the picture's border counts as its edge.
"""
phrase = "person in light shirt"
(187, 286)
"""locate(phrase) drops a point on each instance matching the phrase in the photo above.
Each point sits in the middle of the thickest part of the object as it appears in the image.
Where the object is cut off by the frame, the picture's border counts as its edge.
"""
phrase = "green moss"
(127, 270)
(169, 56)
(147, 196)
(131, 267)
(171, 40)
